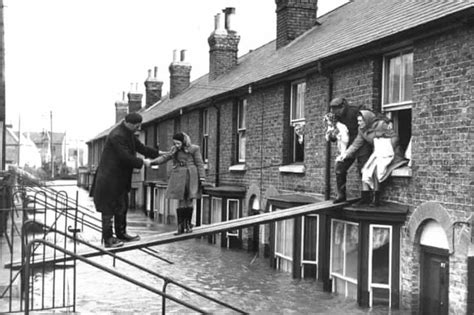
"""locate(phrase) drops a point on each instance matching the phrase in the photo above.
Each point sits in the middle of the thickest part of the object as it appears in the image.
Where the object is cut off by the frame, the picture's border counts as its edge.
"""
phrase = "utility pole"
(51, 143)
(2, 87)
(19, 140)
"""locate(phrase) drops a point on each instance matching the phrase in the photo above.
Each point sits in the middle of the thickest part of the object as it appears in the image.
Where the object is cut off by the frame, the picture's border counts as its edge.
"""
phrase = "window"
(205, 210)
(297, 121)
(398, 95)
(380, 265)
(241, 126)
(205, 135)
(284, 244)
(216, 216)
(232, 214)
(344, 257)
(309, 246)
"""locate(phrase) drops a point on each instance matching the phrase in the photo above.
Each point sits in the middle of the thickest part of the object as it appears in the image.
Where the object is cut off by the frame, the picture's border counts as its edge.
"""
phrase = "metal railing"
(166, 279)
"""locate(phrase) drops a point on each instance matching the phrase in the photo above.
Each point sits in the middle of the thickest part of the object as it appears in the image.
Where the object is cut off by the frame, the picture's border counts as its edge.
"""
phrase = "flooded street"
(238, 278)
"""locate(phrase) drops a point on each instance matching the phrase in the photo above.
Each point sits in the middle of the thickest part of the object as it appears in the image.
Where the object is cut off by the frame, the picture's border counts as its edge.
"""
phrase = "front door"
(434, 280)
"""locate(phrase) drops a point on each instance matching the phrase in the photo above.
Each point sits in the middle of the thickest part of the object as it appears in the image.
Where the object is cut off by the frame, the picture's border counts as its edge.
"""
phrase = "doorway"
(434, 281)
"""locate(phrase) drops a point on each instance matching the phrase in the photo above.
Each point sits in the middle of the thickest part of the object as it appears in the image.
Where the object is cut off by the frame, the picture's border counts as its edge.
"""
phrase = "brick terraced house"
(411, 60)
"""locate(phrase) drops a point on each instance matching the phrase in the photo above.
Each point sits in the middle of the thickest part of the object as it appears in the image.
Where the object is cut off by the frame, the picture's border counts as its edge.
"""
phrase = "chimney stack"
(294, 17)
(180, 71)
(223, 44)
(152, 88)
(121, 108)
(134, 99)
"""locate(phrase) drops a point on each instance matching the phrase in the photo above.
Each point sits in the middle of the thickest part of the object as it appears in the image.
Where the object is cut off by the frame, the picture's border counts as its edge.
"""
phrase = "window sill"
(238, 168)
(404, 171)
(292, 168)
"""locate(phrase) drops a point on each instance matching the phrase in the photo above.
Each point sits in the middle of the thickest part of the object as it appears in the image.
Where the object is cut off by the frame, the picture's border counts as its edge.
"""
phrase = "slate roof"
(348, 27)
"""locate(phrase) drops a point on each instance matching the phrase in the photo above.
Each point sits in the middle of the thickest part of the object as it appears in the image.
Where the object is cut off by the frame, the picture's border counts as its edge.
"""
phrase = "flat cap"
(133, 118)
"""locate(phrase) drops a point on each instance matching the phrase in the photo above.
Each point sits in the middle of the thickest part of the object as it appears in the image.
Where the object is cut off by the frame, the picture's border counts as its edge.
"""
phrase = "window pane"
(289, 224)
(242, 143)
(310, 238)
(408, 77)
(337, 262)
(394, 80)
(205, 210)
(380, 255)
(279, 237)
(242, 113)
(352, 250)
(233, 209)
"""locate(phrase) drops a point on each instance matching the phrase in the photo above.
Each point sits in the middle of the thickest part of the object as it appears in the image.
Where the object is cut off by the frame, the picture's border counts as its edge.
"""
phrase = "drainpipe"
(218, 140)
(327, 177)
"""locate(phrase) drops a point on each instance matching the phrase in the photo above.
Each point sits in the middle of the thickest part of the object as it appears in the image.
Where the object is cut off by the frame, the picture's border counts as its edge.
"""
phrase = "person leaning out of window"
(376, 130)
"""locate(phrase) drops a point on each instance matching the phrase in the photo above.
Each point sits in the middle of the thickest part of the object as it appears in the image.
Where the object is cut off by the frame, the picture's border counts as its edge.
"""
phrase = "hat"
(338, 101)
(133, 118)
(179, 136)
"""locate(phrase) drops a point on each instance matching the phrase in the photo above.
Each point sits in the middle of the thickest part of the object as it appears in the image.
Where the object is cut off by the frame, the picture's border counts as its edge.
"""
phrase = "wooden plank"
(165, 238)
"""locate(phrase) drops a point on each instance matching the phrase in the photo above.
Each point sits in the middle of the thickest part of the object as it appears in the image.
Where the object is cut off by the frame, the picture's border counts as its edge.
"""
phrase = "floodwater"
(236, 277)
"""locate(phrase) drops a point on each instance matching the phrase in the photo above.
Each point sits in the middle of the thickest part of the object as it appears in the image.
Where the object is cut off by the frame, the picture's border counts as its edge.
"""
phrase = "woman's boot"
(180, 220)
(365, 198)
(376, 201)
(189, 216)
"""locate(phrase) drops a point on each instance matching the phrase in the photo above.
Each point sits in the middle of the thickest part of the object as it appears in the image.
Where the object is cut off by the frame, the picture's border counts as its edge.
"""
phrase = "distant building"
(21, 150)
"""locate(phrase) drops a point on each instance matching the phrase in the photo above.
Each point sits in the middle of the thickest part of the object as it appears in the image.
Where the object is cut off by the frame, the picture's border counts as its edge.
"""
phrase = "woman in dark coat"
(375, 130)
(186, 178)
(112, 181)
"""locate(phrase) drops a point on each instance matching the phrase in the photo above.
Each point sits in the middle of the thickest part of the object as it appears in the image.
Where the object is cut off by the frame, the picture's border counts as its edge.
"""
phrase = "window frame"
(233, 233)
(337, 275)
(304, 261)
(242, 106)
(297, 99)
(393, 110)
(371, 285)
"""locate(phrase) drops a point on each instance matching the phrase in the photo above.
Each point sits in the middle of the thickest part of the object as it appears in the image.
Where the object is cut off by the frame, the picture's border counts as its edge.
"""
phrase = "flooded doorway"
(434, 273)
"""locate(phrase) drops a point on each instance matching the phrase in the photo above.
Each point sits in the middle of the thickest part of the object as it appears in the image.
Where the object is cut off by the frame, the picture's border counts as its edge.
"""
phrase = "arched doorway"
(434, 269)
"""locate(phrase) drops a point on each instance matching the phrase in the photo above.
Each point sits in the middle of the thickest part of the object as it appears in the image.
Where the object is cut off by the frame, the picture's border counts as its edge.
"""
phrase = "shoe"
(189, 227)
(376, 201)
(128, 238)
(112, 242)
(180, 230)
(366, 197)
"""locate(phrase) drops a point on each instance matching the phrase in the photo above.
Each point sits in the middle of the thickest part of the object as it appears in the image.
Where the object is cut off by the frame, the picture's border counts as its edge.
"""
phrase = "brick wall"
(442, 152)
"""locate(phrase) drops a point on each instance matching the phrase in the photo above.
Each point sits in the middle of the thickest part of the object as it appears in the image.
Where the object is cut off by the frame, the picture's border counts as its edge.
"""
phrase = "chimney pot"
(183, 55)
(175, 55)
(156, 73)
(229, 18)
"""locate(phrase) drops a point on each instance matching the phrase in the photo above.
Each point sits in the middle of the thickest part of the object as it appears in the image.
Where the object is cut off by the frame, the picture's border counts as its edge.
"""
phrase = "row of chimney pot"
(223, 44)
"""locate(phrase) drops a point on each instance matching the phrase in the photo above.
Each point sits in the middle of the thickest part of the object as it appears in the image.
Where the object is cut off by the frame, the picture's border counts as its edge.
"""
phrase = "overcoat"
(187, 169)
(114, 173)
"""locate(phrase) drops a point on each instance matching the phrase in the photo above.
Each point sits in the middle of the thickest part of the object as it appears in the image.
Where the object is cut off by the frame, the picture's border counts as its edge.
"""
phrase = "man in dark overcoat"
(347, 115)
(112, 181)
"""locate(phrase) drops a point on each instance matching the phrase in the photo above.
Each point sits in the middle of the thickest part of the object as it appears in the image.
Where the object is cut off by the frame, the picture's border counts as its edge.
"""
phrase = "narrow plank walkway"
(164, 238)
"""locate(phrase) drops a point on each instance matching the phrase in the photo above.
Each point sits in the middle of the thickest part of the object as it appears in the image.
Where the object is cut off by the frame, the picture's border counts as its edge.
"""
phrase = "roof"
(40, 137)
(348, 27)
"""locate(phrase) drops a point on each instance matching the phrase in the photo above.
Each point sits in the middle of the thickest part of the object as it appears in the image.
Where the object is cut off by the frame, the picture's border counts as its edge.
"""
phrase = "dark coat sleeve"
(125, 156)
(146, 151)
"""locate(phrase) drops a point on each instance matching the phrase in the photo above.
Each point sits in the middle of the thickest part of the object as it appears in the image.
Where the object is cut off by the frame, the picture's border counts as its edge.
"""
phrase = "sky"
(71, 60)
